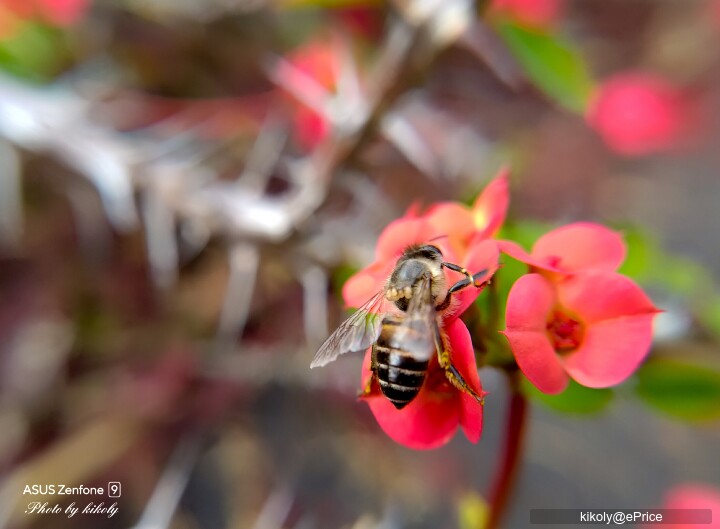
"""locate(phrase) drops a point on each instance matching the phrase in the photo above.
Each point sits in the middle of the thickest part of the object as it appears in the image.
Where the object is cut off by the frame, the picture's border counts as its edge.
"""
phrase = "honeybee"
(401, 323)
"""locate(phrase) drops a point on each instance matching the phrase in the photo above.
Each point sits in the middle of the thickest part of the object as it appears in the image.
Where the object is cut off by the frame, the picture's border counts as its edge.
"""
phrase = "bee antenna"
(445, 236)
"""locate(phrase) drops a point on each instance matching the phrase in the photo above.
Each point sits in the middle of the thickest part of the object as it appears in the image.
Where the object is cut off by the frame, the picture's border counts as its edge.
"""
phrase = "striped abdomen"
(398, 371)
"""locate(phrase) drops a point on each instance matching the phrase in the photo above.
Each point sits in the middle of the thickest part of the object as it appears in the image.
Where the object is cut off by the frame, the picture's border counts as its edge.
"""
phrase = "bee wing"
(357, 333)
(415, 333)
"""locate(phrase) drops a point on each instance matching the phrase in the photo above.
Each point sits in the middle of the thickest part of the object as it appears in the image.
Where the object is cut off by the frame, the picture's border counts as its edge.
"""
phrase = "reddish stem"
(514, 439)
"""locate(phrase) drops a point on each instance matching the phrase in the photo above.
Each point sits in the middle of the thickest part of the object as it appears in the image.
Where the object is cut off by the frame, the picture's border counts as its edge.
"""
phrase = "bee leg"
(473, 280)
(451, 372)
(367, 390)
(457, 380)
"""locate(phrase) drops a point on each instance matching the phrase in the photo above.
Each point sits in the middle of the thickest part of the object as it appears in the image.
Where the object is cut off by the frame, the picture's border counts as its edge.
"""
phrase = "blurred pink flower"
(316, 61)
(693, 496)
(637, 113)
(55, 12)
(62, 12)
(533, 13)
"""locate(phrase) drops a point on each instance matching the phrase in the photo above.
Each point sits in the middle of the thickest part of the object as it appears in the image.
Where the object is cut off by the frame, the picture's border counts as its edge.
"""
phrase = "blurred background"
(186, 185)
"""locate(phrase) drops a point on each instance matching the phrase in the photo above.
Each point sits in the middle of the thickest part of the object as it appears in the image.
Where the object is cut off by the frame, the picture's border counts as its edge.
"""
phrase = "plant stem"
(514, 439)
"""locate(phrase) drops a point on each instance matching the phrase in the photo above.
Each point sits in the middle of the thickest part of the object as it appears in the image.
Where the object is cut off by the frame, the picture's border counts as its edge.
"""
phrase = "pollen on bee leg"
(407, 291)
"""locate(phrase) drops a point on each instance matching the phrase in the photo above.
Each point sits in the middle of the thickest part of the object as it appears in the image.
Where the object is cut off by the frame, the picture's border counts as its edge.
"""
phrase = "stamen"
(565, 333)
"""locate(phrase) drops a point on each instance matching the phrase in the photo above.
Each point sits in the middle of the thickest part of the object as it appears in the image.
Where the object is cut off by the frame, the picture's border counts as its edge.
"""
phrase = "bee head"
(415, 262)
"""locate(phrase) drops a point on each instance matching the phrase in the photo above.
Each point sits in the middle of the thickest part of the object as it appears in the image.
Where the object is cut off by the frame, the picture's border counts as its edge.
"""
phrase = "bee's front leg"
(470, 279)
(451, 372)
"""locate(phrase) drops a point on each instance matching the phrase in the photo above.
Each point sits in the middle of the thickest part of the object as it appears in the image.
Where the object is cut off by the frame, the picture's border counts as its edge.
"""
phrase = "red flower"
(534, 13)
(638, 113)
(434, 415)
(693, 496)
(576, 316)
(595, 327)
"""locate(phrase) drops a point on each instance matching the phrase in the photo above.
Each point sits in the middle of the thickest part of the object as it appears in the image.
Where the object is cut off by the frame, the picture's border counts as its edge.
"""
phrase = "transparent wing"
(415, 334)
(357, 333)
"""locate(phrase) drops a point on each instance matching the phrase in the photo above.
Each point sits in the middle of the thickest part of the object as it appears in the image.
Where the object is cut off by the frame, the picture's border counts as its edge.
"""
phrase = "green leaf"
(575, 399)
(553, 65)
(684, 391)
(642, 252)
(710, 315)
(36, 52)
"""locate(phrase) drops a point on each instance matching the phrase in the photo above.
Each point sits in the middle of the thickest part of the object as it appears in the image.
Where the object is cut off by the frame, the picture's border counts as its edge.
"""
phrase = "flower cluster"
(571, 315)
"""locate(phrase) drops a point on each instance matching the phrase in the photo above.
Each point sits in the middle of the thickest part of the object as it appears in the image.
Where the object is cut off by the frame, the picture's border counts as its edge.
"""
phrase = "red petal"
(580, 246)
(429, 421)
(451, 219)
(463, 358)
(432, 418)
(398, 235)
(537, 360)
(597, 296)
(490, 207)
(452, 223)
(530, 300)
(366, 283)
(413, 210)
(517, 252)
(611, 351)
(484, 255)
